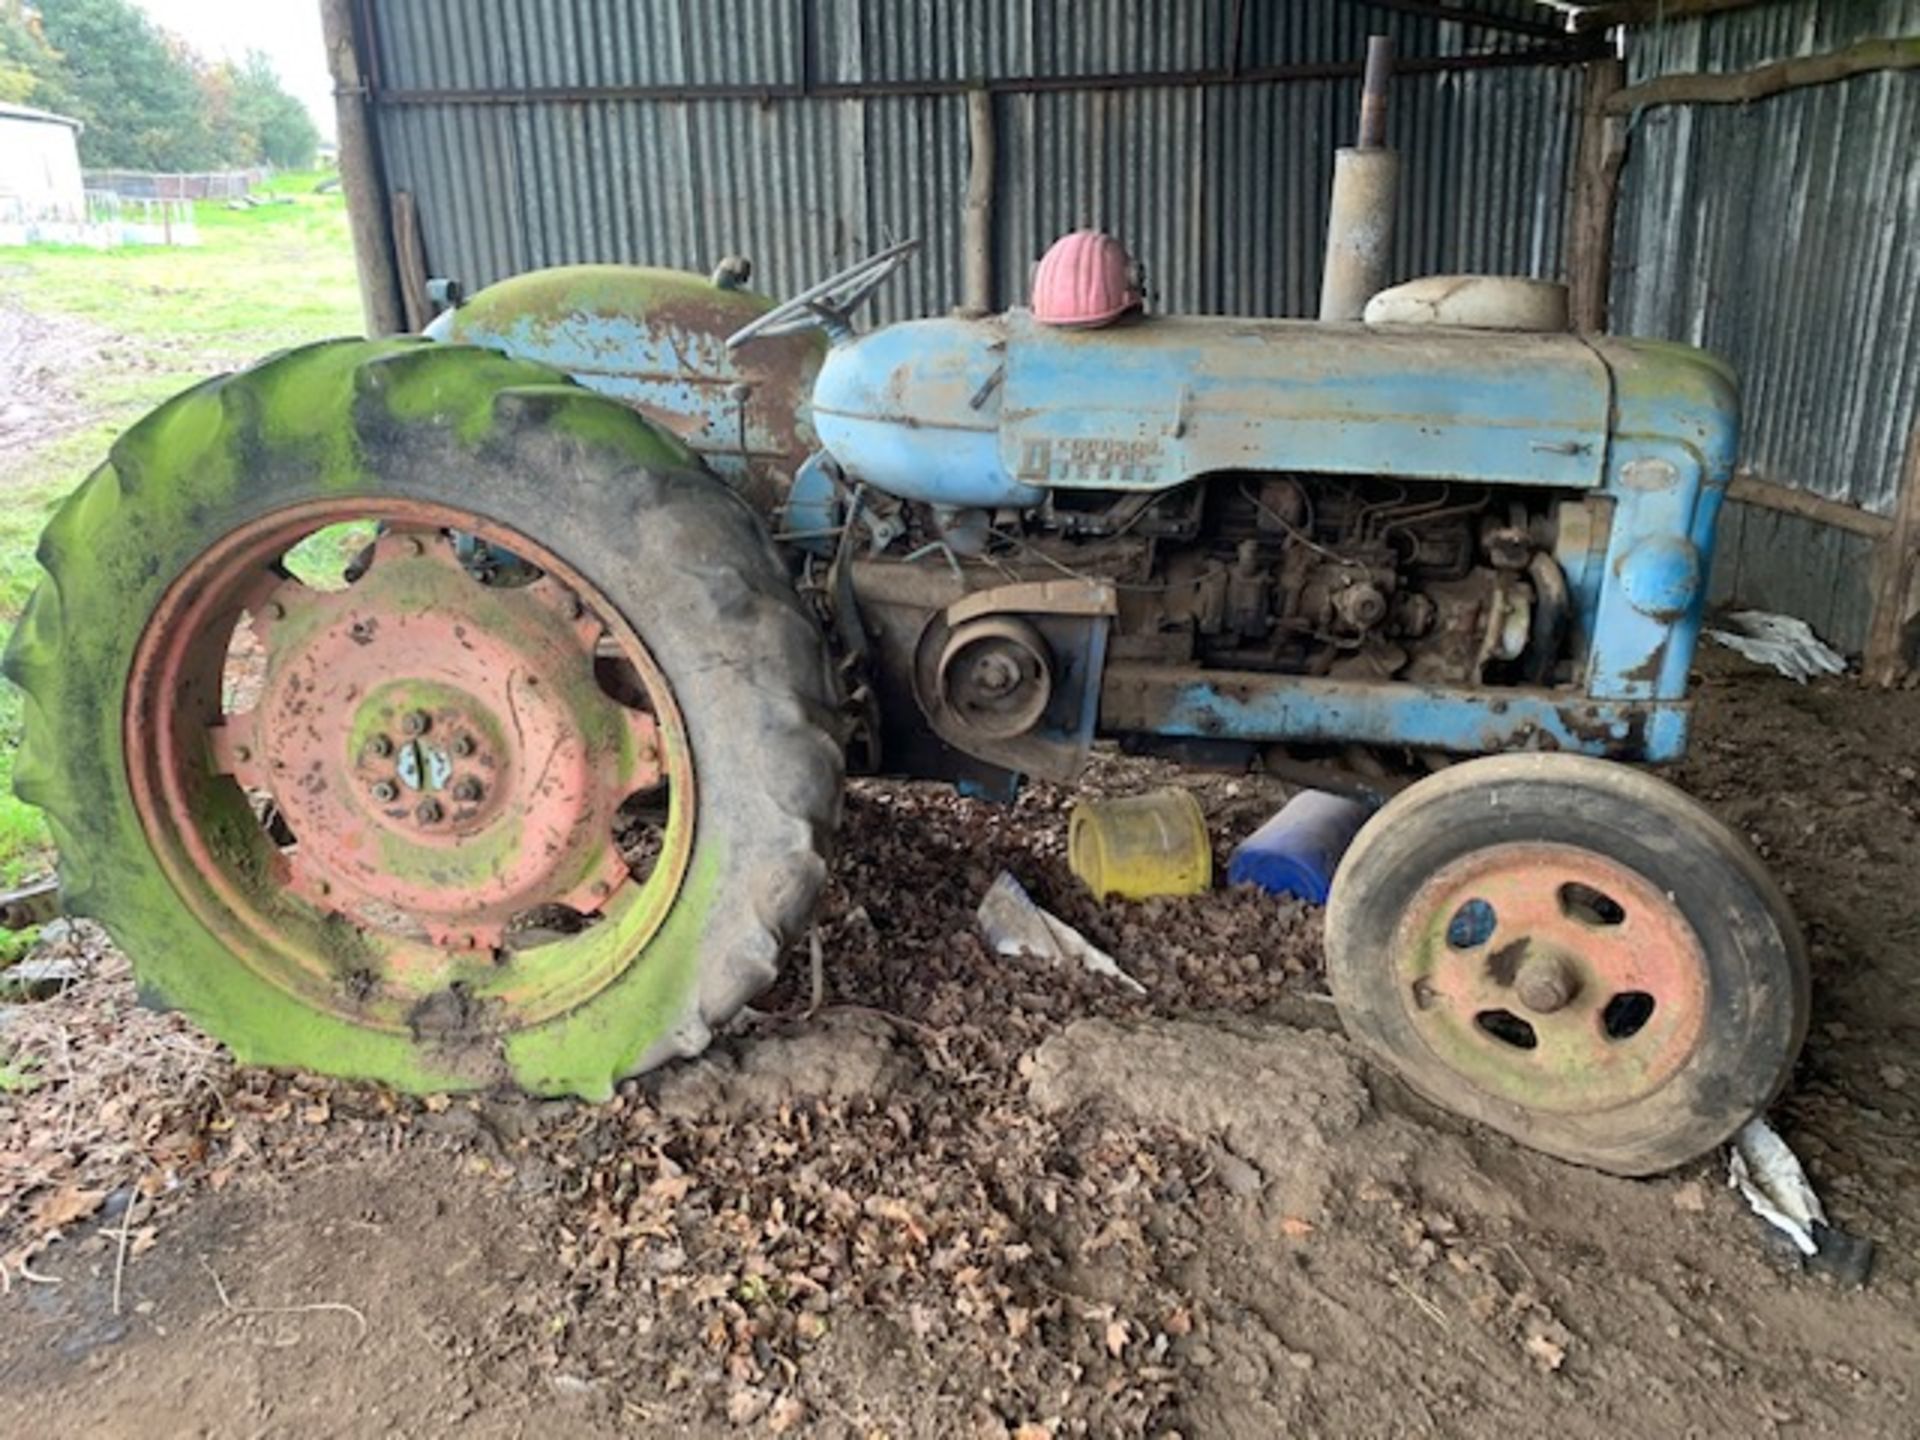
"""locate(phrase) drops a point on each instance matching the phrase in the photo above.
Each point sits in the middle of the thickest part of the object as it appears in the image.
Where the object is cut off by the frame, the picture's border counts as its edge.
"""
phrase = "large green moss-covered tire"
(536, 788)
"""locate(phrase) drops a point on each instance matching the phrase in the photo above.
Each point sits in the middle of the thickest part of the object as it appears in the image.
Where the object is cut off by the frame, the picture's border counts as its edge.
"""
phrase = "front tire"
(384, 942)
(1574, 953)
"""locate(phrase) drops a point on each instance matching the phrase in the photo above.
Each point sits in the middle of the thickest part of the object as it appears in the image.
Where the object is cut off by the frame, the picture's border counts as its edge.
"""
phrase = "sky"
(287, 31)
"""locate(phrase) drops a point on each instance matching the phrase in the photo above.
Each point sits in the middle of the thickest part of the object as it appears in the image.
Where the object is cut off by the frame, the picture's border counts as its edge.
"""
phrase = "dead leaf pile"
(117, 1095)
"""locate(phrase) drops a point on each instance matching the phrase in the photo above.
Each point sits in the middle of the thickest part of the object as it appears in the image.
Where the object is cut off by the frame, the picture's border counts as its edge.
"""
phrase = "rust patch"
(1647, 672)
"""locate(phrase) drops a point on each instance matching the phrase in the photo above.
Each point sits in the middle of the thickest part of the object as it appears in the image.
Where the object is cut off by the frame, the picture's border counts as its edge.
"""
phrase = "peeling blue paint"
(1301, 710)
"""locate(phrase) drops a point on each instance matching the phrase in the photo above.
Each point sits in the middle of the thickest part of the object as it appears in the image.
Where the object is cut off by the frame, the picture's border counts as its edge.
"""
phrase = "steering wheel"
(829, 304)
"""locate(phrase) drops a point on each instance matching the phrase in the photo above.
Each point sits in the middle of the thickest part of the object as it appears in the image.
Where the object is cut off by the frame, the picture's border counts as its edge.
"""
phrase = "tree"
(147, 100)
(31, 70)
(136, 88)
(276, 126)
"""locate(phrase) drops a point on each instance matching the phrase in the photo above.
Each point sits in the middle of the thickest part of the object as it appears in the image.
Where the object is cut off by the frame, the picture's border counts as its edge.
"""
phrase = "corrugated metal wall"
(541, 132)
(1785, 235)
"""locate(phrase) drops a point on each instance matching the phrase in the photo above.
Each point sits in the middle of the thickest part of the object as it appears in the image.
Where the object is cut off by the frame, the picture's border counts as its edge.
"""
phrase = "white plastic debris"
(1781, 641)
(1015, 925)
(1766, 1171)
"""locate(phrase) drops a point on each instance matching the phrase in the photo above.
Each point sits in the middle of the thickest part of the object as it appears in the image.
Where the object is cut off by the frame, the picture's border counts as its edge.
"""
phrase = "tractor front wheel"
(405, 711)
(1574, 953)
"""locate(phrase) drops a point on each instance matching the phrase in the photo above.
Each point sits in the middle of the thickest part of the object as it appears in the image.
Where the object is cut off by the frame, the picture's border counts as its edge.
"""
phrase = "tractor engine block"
(1434, 583)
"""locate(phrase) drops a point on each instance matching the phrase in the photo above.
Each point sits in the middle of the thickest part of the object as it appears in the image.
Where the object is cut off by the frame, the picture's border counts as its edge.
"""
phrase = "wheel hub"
(438, 747)
(1552, 976)
(1545, 984)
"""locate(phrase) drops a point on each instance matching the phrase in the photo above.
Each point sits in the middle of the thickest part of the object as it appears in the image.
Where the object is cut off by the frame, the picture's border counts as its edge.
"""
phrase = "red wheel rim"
(417, 770)
(1552, 977)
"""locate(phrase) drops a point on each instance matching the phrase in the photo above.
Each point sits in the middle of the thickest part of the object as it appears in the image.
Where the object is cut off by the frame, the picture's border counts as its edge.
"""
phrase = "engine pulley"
(996, 675)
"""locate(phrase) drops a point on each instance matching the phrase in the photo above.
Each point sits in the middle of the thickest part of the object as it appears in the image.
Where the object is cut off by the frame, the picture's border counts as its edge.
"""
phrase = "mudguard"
(655, 340)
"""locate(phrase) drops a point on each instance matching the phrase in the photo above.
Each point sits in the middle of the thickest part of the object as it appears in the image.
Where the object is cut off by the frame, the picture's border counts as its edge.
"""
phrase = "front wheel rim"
(447, 756)
(1552, 977)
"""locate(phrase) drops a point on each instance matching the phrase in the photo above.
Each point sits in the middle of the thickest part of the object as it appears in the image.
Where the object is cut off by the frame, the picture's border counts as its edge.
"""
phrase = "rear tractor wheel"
(407, 712)
(1574, 953)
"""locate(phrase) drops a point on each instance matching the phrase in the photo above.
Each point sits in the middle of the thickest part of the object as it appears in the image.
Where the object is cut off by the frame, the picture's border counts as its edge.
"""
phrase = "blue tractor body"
(991, 450)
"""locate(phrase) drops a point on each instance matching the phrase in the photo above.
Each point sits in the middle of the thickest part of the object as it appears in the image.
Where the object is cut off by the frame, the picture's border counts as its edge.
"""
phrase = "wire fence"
(109, 219)
(200, 185)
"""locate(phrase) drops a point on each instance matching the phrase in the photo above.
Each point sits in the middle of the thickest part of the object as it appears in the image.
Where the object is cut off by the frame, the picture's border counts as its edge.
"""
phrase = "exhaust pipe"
(1366, 184)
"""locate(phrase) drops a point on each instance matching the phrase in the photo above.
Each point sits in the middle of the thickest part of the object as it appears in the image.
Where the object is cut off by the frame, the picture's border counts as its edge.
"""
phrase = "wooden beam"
(1596, 198)
(1735, 87)
(1750, 489)
(410, 256)
(1652, 12)
(1541, 29)
(1889, 656)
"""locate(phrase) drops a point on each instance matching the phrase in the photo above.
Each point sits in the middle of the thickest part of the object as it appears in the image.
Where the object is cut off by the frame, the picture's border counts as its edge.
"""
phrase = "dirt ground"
(37, 360)
(976, 1196)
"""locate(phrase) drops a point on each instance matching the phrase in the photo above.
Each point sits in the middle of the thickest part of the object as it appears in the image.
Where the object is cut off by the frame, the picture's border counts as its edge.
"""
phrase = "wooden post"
(1596, 197)
(367, 216)
(410, 257)
(1889, 656)
(976, 288)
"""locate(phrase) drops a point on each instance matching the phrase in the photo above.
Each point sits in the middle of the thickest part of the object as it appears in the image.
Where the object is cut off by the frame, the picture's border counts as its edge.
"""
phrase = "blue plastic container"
(1297, 851)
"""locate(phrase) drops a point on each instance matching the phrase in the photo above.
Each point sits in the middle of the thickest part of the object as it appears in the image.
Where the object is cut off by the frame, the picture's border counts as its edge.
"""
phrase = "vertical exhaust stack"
(1366, 184)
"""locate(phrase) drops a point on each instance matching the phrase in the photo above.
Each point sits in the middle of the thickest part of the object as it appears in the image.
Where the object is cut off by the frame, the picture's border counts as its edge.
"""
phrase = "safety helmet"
(1086, 278)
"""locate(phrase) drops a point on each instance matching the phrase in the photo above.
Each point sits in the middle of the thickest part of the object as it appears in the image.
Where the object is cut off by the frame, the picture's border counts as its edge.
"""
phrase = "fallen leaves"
(124, 1092)
(60, 1208)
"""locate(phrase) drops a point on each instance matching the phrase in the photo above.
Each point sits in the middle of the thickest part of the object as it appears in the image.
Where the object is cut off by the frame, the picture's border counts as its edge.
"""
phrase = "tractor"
(473, 708)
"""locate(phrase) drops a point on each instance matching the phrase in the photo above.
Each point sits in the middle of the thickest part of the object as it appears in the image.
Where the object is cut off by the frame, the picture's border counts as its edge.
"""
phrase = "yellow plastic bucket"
(1152, 844)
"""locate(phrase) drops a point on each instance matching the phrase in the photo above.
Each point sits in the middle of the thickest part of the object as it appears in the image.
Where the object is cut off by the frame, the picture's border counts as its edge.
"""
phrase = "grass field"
(153, 320)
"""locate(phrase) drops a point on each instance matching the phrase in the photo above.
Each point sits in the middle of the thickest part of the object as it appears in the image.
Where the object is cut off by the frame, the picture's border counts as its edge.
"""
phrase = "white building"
(40, 167)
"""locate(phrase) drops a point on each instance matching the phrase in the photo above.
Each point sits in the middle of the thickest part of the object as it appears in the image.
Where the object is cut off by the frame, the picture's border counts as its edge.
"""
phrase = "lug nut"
(467, 790)
(380, 747)
(385, 791)
(415, 722)
(464, 746)
(429, 812)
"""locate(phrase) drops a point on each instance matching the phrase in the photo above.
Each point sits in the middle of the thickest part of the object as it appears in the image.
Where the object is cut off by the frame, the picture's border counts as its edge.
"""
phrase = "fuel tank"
(915, 409)
(997, 411)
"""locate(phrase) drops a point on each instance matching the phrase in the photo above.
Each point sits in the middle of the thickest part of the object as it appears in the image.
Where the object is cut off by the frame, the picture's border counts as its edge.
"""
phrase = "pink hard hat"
(1086, 278)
